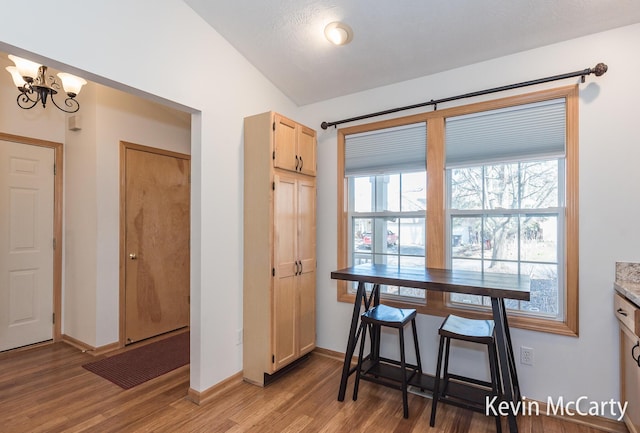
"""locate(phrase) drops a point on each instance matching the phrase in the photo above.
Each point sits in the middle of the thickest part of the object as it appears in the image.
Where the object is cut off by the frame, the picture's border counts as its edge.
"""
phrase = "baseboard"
(115, 348)
(200, 397)
(86, 348)
(332, 354)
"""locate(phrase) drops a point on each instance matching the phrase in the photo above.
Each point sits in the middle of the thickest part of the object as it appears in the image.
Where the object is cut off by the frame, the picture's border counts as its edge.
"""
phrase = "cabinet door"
(307, 256)
(630, 371)
(306, 150)
(284, 295)
(285, 144)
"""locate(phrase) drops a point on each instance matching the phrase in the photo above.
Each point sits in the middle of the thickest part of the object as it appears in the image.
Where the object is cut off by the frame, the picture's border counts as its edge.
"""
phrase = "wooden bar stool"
(475, 331)
(384, 371)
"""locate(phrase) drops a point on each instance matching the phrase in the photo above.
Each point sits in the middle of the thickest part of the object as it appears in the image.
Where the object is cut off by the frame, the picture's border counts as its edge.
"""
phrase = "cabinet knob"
(133, 256)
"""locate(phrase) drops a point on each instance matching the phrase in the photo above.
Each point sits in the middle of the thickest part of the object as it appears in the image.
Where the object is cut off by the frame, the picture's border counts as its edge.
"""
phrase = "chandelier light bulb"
(25, 67)
(17, 78)
(71, 84)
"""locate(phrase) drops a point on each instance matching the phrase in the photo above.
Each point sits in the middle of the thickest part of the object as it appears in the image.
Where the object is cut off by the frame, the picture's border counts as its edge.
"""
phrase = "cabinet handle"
(622, 312)
(300, 267)
(297, 269)
(296, 162)
(633, 349)
(301, 163)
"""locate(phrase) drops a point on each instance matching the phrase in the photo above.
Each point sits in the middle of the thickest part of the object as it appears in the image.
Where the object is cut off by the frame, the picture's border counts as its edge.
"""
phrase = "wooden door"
(306, 150)
(156, 241)
(285, 143)
(306, 284)
(26, 244)
(286, 267)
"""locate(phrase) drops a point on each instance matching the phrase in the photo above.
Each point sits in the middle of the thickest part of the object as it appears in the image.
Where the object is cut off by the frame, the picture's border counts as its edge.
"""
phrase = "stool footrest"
(385, 371)
(465, 395)
(463, 379)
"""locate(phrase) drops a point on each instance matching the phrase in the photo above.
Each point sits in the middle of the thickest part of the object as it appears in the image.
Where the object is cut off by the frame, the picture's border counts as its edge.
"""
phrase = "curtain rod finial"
(600, 69)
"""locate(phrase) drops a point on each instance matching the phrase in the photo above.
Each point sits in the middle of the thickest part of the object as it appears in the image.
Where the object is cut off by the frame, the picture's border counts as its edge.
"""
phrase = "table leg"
(512, 366)
(351, 342)
(505, 353)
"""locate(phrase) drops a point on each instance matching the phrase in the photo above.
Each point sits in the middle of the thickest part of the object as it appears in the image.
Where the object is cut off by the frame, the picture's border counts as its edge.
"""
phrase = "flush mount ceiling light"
(34, 85)
(338, 33)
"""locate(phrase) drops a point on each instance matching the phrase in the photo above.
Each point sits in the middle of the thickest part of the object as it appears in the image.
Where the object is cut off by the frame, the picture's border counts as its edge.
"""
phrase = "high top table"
(497, 286)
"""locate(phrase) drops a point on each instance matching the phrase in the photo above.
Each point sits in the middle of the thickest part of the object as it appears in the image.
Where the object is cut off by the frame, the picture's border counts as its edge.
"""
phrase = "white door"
(26, 244)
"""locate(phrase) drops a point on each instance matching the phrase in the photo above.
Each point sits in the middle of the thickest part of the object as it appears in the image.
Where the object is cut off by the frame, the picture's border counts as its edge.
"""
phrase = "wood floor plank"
(45, 389)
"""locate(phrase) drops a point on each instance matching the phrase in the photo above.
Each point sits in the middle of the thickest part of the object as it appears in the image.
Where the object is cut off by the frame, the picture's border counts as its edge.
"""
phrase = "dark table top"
(494, 285)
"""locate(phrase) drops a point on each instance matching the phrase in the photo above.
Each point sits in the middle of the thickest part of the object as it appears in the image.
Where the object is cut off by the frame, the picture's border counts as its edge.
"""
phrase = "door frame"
(124, 146)
(57, 222)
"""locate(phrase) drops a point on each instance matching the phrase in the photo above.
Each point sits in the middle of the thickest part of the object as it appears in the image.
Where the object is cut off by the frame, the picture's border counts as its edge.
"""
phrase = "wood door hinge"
(273, 155)
(273, 272)
(273, 359)
(274, 126)
(55, 169)
(53, 318)
(273, 186)
(54, 243)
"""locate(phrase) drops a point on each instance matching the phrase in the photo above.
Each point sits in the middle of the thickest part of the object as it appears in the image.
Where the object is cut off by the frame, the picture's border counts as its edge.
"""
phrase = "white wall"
(163, 48)
(92, 201)
(123, 117)
(609, 203)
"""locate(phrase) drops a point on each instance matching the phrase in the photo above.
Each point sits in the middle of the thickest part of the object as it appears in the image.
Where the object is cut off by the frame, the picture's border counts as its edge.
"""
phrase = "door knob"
(133, 256)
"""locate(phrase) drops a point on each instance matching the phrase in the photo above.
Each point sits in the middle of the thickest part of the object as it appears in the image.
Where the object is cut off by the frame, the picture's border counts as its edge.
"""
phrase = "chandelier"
(35, 85)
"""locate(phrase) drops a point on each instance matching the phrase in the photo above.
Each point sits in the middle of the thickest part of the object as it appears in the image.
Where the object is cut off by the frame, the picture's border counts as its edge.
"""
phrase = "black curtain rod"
(598, 70)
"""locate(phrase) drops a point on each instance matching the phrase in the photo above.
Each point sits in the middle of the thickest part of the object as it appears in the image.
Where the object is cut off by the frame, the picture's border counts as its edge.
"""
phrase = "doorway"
(155, 242)
(30, 240)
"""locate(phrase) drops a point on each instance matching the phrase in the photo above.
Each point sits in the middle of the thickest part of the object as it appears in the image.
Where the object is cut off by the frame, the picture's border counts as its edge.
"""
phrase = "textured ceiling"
(395, 40)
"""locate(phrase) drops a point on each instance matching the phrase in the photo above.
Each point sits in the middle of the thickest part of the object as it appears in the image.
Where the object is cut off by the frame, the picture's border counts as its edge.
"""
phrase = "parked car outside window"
(392, 239)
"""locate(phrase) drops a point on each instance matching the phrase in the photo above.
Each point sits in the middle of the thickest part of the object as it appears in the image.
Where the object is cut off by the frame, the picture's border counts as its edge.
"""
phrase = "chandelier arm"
(69, 102)
(25, 102)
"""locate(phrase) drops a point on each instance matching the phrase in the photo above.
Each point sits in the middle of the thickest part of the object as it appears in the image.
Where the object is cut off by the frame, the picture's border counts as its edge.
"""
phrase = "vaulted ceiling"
(395, 40)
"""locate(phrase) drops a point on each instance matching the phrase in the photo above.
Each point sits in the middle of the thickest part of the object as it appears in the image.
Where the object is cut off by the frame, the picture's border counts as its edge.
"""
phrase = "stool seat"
(389, 316)
(384, 371)
(462, 328)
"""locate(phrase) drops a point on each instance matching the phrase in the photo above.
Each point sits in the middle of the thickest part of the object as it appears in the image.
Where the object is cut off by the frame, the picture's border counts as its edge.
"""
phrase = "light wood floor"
(46, 390)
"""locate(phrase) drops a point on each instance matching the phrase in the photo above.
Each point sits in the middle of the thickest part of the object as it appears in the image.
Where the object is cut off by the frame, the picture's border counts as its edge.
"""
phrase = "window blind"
(390, 150)
(513, 133)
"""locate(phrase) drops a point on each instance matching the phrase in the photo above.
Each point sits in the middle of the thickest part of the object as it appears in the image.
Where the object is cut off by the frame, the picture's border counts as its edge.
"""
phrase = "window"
(387, 215)
(505, 218)
(499, 194)
(387, 200)
(505, 183)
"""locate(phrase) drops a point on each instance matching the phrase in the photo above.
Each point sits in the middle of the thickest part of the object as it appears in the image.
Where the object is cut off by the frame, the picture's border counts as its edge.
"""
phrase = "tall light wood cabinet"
(279, 295)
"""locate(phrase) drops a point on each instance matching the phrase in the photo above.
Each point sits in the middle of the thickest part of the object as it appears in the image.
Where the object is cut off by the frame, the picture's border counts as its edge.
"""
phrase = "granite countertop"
(627, 281)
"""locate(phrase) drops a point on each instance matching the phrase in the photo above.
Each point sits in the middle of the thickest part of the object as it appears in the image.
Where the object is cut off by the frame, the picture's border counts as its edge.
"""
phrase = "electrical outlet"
(526, 355)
